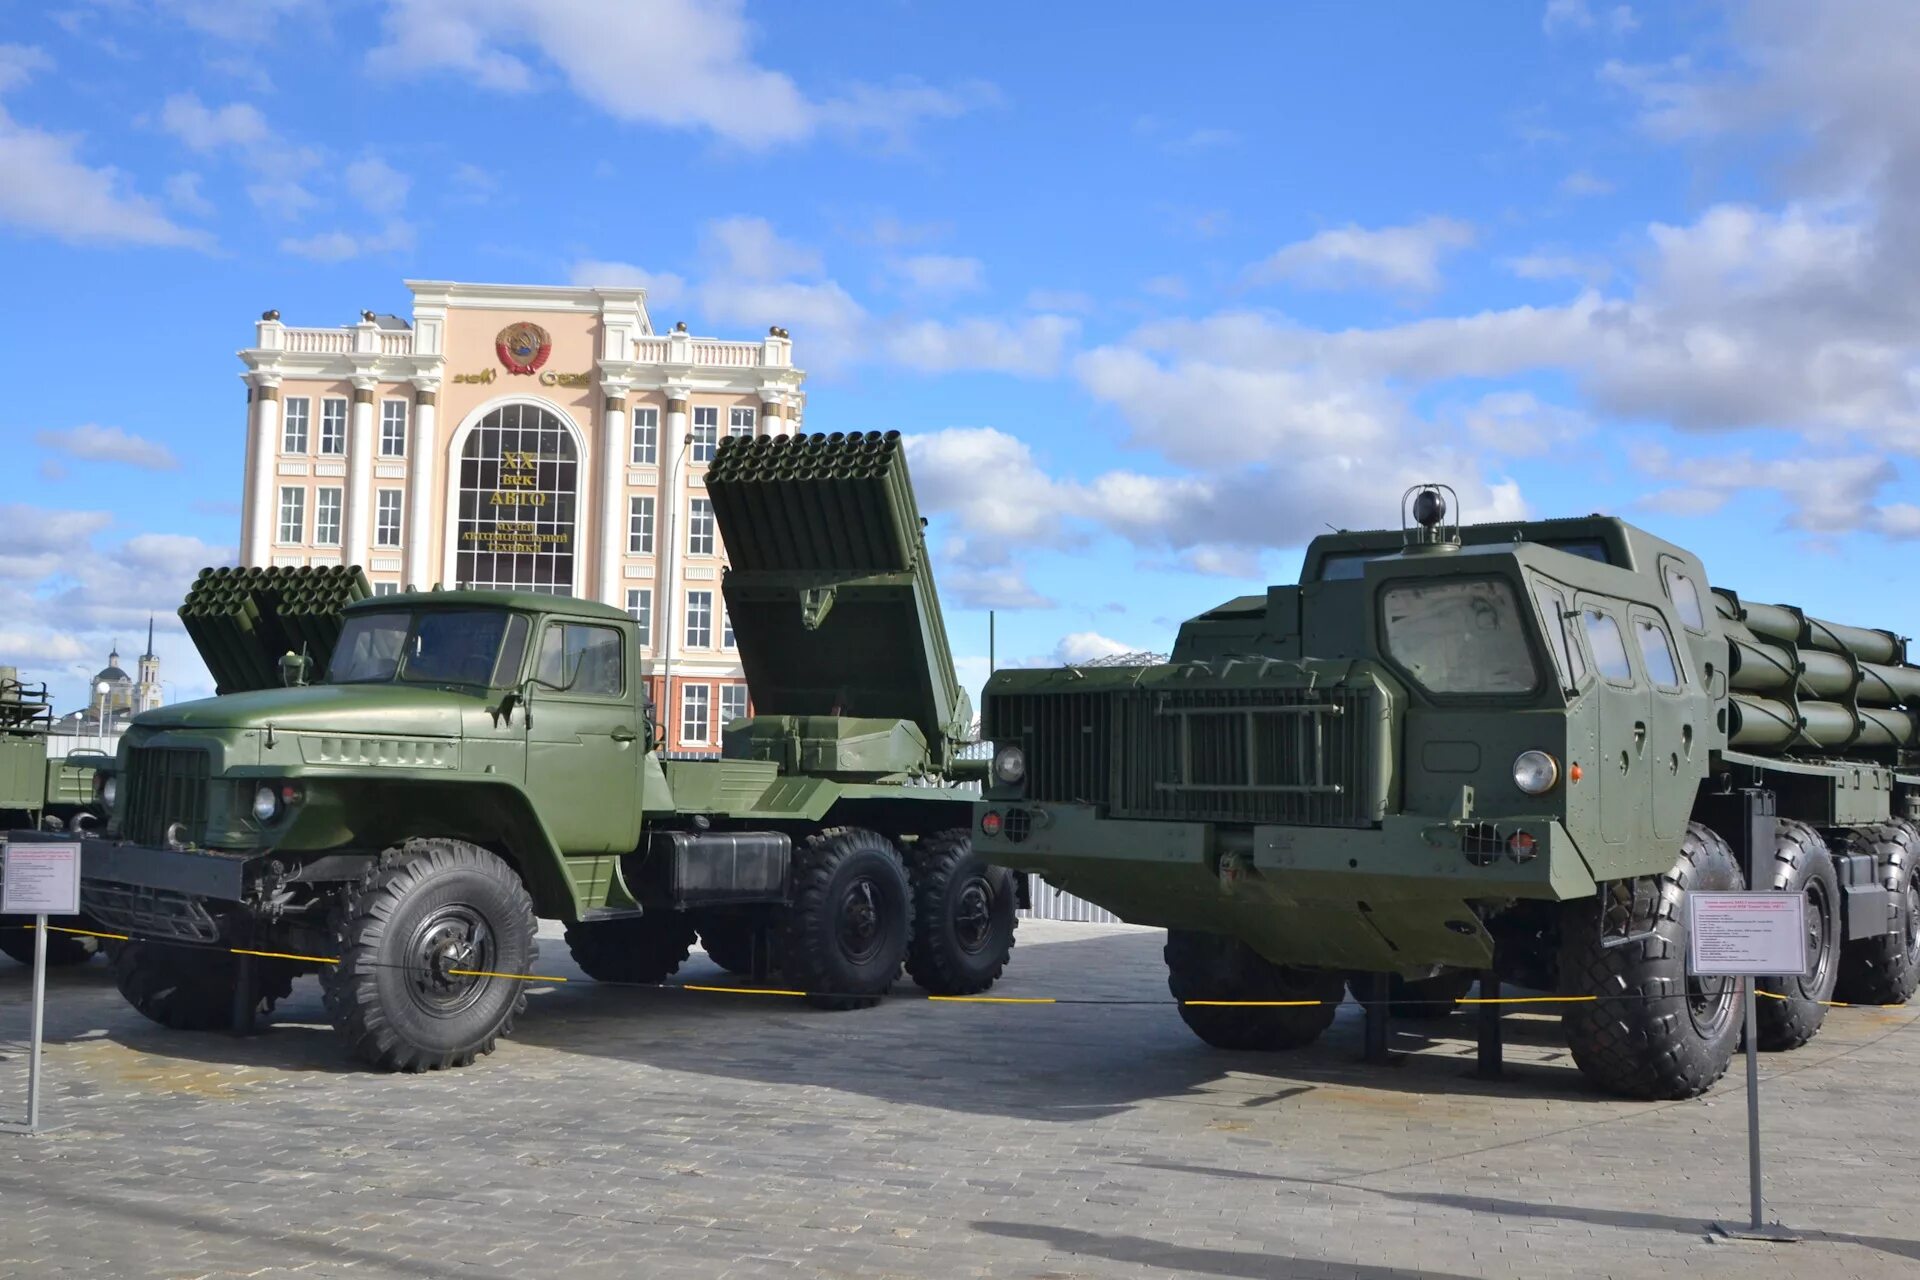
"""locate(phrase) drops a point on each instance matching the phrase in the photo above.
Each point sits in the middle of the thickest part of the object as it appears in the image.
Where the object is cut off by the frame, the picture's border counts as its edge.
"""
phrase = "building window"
(333, 426)
(326, 518)
(519, 476)
(706, 433)
(393, 428)
(640, 609)
(293, 516)
(640, 526)
(694, 702)
(386, 588)
(726, 627)
(293, 431)
(733, 703)
(740, 422)
(646, 437)
(699, 619)
(386, 527)
(700, 528)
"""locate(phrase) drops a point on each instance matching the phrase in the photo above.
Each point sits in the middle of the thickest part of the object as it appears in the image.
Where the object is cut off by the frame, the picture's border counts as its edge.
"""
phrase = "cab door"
(1625, 784)
(585, 738)
(1671, 770)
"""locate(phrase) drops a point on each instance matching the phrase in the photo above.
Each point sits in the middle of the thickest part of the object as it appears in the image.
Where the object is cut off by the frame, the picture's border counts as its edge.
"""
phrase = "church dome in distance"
(112, 675)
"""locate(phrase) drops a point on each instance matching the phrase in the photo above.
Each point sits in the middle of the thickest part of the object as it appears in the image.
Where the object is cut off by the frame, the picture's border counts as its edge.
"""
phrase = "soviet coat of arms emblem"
(523, 346)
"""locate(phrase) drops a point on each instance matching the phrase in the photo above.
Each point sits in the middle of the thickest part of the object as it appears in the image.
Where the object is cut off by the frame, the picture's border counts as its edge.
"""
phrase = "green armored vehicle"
(38, 790)
(401, 784)
(1508, 749)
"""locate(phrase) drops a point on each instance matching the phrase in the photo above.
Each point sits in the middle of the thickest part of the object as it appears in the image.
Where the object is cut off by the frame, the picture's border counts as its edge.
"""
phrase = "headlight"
(1009, 764)
(109, 788)
(266, 804)
(1535, 772)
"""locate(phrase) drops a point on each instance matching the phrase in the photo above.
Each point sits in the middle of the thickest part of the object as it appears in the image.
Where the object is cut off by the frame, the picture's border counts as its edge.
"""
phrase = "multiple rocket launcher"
(242, 620)
(1800, 684)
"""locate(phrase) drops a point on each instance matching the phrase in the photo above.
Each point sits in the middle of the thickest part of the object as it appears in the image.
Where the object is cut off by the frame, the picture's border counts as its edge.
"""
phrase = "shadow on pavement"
(1194, 1261)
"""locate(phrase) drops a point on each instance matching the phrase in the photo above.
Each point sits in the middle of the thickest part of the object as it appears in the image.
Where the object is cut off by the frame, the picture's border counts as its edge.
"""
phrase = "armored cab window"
(1656, 653)
(1609, 647)
(1685, 596)
(582, 659)
(369, 648)
(1566, 650)
(1347, 566)
(1455, 636)
(454, 646)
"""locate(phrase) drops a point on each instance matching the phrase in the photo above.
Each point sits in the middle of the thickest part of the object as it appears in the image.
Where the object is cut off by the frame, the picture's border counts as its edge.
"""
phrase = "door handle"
(623, 734)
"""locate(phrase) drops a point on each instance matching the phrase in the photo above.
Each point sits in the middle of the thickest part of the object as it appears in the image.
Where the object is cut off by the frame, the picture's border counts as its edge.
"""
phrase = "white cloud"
(183, 192)
(238, 124)
(1032, 347)
(971, 587)
(1823, 495)
(1563, 16)
(1582, 183)
(673, 63)
(1519, 424)
(1062, 301)
(1171, 288)
(938, 273)
(340, 246)
(826, 323)
(19, 63)
(377, 186)
(1547, 265)
(1084, 646)
(745, 248)
(46, 188)
(285, 198)
(249, 22)
(1403, 258)
(664, 289)
(96, 443)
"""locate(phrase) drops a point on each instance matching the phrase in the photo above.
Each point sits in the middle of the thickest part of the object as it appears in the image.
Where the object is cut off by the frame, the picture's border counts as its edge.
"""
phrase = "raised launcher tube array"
(1804, 686)
(834, 608)
(243, 620)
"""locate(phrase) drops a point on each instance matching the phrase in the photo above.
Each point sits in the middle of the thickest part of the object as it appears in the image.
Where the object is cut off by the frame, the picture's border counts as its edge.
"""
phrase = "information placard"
(1758, 934)
(40, 879)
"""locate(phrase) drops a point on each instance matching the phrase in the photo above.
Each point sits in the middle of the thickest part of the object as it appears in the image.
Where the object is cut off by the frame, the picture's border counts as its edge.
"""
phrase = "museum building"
(536, 438)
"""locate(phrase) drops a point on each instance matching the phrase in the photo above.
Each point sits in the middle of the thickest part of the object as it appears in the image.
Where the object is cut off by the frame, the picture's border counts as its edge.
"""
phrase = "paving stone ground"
(668, 1134)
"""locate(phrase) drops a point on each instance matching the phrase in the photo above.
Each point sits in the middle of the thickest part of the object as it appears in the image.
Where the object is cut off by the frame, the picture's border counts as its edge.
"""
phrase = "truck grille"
(164, 786)
(1307, 757)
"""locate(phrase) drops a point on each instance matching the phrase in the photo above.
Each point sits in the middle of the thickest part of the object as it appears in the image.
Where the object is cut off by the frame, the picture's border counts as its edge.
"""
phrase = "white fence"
(1051, 904)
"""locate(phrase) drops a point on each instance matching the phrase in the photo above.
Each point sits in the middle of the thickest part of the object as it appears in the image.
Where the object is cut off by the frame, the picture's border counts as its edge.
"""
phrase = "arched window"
(519, 495)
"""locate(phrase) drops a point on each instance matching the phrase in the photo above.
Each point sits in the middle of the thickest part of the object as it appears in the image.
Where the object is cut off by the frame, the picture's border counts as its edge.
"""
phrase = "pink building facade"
(521, 437)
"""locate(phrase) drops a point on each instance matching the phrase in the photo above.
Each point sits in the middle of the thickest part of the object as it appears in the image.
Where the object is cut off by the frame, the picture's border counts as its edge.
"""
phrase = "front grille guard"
(148, 913)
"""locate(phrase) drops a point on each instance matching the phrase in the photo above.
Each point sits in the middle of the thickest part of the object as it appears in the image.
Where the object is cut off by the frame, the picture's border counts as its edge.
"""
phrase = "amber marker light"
(1573, 773)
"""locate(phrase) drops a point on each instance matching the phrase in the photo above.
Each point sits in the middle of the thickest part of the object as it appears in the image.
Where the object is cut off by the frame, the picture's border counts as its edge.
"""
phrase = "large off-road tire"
(1653, 1032)
(1422, 999)
(16, 941)
(847, 931)
(417, 937)
(963, 916)
(1212, 966)
(1885, 969)
(1801, 864)
(637, 949)
(729, 944)
(192, 988)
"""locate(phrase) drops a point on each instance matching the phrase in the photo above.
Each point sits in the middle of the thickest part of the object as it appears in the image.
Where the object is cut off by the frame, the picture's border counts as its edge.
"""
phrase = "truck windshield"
(431, 646)
(1460, 635)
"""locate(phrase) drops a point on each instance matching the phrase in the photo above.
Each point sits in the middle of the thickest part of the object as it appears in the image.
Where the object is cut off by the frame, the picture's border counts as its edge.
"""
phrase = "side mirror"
(294, 668)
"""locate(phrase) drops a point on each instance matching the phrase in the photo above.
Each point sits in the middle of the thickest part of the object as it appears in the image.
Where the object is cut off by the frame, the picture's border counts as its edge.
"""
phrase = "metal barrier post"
(1375, 1039)
(1492, 1047)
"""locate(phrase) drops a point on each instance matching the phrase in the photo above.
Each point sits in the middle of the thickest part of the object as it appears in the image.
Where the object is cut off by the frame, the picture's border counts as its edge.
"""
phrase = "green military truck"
(1509, 749)
(402, 784)
(38, 790)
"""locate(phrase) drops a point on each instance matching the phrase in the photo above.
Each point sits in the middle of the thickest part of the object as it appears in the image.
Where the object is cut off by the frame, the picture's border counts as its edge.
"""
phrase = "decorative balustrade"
(318, 342)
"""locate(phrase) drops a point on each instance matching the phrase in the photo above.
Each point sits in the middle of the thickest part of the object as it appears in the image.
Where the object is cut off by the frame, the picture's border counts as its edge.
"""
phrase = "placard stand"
(39, 1023)
(1749, 936)
(38, 878)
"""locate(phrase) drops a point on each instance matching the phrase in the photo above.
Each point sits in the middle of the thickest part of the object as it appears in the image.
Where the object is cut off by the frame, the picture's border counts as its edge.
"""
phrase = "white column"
(666, 608)
(358, 515)
(613, 488)
(261, 516)
(771, 423)
(422, 451)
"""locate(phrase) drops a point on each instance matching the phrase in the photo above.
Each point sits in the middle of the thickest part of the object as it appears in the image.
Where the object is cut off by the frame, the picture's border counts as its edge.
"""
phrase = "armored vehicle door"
(1623, 703)
(584, 737)
(1670, 730)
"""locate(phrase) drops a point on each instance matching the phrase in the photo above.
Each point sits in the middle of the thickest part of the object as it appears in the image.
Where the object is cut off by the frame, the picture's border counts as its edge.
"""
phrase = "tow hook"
(1235, 866)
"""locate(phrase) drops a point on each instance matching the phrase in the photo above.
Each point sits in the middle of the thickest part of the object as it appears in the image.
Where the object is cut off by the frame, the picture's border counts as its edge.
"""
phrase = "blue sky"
(1157, 299)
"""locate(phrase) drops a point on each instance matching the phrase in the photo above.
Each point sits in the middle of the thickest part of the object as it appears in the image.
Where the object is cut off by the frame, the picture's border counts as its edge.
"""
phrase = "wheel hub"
(450, 952)
(973, 916)
(859, 929)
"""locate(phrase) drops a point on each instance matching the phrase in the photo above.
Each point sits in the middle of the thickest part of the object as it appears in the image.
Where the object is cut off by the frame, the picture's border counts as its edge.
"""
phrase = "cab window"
(1460, 636)
(1656, 653)
(1608, 646)
(1685, 596)
(1566, 650)
(582, 659)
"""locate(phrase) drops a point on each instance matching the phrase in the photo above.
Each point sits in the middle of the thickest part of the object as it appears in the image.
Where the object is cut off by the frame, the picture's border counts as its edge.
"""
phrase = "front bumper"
(1399, 895)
